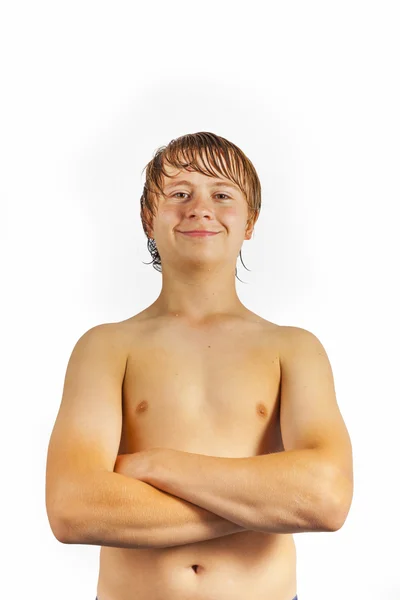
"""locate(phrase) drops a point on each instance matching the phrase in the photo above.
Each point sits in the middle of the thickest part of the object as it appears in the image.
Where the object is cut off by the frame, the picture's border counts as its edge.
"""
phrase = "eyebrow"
(214, 184)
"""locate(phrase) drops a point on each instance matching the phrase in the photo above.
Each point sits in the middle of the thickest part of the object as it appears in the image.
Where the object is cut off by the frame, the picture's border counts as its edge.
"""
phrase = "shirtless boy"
(194, 438)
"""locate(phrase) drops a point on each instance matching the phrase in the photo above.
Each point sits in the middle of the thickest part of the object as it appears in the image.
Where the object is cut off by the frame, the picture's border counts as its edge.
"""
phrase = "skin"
(199, 273)
(200, 375)
(197, 311)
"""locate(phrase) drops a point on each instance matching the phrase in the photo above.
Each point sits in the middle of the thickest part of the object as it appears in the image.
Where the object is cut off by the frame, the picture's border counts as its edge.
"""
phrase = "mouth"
(199, 233)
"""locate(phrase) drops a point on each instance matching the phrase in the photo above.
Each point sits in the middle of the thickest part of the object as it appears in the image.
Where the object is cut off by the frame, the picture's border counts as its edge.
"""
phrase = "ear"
(148, 217)
(250, 225)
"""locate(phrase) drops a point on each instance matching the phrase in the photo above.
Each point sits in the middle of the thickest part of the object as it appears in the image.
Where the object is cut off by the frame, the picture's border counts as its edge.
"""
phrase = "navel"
(197, 568)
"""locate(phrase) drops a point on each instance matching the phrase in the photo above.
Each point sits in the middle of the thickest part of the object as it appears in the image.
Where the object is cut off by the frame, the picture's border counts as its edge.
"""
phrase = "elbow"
(69, 511)
(337, 503)
(60, 528)
(63, 526)
(333, 521)
(55, 516)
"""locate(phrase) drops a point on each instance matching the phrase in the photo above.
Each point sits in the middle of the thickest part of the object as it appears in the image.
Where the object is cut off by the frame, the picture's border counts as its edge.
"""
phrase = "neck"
(198, 296)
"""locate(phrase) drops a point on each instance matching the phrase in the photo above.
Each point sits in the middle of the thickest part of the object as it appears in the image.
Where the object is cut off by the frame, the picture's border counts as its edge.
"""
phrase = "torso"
(208, 390)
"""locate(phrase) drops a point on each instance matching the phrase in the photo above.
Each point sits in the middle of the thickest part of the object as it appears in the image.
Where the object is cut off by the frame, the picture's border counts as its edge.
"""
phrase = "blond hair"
(201, 152)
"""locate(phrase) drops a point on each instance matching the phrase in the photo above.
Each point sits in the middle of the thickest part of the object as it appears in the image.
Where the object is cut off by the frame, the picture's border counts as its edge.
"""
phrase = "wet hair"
(200, 152)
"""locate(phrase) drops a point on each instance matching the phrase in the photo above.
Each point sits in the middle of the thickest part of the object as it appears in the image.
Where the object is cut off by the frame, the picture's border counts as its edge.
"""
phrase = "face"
(193, 201)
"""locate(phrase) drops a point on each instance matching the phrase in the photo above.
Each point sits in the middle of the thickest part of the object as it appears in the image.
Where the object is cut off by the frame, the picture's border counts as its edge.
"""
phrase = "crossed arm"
(171, 497)
(286, 492)
(308, 487)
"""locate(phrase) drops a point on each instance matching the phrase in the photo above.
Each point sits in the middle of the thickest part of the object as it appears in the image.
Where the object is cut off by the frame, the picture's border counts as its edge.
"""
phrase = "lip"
(199, 233)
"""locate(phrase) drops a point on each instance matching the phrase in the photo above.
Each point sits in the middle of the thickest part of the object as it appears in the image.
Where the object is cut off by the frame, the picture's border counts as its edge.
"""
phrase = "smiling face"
(191, 201)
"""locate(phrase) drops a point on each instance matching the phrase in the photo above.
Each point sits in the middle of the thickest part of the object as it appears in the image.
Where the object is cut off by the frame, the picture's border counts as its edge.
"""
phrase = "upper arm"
(310, 415)
(87, 430)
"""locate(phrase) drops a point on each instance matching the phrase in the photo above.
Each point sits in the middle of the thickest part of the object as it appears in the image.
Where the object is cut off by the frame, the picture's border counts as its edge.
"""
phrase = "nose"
(200, 205)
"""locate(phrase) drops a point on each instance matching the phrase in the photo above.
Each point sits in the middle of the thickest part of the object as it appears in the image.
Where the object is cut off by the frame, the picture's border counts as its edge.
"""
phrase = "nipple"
(261, 410)
(142, 406)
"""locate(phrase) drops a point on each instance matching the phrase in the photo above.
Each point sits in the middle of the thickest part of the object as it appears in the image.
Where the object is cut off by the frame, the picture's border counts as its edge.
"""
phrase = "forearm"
(117, 510)
(285, 492)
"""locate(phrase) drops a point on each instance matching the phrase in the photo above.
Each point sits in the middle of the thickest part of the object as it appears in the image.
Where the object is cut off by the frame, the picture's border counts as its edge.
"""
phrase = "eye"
(221, 194)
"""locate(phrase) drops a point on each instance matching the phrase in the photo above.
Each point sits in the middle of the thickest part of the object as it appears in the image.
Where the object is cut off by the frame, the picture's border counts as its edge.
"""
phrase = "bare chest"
(209, 392)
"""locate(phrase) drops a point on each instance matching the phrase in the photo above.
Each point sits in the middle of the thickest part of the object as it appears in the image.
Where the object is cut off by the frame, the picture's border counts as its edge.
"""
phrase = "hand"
(139, 465)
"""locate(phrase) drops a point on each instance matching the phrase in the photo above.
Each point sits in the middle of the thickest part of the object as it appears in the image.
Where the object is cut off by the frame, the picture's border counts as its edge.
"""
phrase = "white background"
(310, 92)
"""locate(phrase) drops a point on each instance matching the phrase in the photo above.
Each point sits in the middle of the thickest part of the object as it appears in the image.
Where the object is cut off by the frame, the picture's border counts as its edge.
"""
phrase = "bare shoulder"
(288, 338)
(294, 334)
(267, 326)
(113, 336)
(297, 340)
